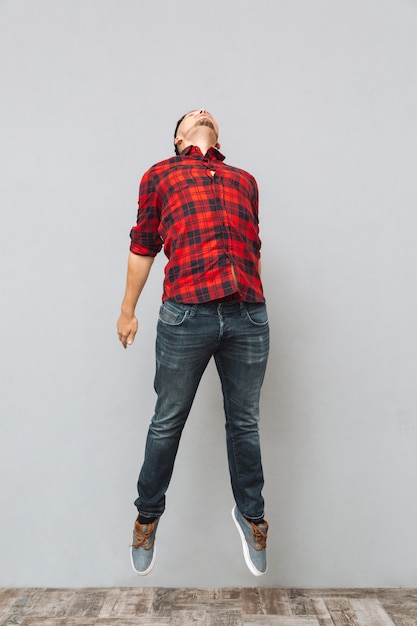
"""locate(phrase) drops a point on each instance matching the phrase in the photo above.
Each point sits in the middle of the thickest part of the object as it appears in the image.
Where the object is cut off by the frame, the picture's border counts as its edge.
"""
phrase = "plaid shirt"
(205, 214)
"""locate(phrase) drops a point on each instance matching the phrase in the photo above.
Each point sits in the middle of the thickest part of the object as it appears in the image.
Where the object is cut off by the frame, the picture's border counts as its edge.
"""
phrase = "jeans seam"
(242, 495)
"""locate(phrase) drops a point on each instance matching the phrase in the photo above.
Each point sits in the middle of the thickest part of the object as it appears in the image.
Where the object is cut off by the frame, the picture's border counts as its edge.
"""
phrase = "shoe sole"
(146, 571)
(245, 547)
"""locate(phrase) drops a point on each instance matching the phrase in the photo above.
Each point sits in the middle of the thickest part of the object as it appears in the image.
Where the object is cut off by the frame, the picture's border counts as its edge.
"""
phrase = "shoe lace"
(259, 535)
(142, 535)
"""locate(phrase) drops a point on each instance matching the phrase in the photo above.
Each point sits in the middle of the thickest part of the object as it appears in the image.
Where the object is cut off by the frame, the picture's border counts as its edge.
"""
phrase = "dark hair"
(175, 133)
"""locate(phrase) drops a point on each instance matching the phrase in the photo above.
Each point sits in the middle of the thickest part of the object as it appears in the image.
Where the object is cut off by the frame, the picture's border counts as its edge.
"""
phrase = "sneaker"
(253, 538)
(143, 551)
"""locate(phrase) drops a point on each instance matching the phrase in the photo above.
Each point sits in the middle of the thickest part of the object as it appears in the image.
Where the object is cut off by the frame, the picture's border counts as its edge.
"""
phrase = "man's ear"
(177, 141)
(217, 145)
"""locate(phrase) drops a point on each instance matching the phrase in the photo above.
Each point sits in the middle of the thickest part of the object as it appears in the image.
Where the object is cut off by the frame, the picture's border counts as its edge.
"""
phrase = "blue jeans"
(237, 335)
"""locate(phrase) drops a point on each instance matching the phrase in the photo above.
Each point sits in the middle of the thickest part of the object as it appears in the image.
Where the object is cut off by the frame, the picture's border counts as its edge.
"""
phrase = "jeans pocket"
(257, 314)
(172, 314)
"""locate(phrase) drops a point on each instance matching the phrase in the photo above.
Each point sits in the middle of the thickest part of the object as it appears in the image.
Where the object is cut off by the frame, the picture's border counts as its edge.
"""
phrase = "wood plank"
(87, 602)
(251, 602)
(321, 612)
(265, 601)
(54, 603)
(279, 620)
(22, 606)
(127, 602)
(190, 618)
(91, 621)
(58, 621)
(337, 592)
(67, 602)
(167, 600)
(144, 620)
(341, 612)
(275, 601)
(228, 593)
(223, 618)
(8, 597)
(370, 612)
(400, 604)
(300, 603)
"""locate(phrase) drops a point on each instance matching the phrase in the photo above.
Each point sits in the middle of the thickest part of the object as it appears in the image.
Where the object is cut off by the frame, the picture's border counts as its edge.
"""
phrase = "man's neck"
(203, 145)
(203, 138)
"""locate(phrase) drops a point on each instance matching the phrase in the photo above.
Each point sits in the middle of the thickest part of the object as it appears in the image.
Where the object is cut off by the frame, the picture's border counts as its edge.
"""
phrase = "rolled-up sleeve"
(255, 209)
(145, 239)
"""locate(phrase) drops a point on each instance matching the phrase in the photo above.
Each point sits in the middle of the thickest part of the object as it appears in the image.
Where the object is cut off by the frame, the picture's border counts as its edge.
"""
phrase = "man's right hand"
(127, 327)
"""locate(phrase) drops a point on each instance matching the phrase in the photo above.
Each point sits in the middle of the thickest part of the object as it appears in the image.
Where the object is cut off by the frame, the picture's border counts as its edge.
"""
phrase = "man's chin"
(204, 121)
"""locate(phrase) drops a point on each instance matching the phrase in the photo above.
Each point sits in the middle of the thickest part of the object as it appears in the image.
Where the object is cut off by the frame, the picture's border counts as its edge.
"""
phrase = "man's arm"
(138, 269)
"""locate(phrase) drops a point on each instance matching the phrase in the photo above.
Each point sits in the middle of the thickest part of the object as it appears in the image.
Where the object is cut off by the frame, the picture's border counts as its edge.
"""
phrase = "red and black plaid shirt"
(205, 214)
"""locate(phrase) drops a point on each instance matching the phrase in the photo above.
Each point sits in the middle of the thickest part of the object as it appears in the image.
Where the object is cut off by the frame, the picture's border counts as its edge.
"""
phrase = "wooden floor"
(221, 607)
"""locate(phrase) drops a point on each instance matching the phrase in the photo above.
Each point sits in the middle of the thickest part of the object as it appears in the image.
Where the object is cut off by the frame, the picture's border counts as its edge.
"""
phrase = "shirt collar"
(195, 152)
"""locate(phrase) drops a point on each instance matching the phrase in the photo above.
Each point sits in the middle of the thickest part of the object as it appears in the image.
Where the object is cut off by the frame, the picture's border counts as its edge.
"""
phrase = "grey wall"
(318, 100)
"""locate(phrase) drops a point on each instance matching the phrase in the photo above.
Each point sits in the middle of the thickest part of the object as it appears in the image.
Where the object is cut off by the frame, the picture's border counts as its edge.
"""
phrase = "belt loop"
(193, 310)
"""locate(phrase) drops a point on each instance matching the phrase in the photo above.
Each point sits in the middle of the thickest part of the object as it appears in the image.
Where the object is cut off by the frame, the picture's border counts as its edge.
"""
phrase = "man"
(205, 215)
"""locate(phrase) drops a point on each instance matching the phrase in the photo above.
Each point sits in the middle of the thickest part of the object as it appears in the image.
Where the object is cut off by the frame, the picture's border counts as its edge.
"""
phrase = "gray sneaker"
(253, 538)
(143, 551)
